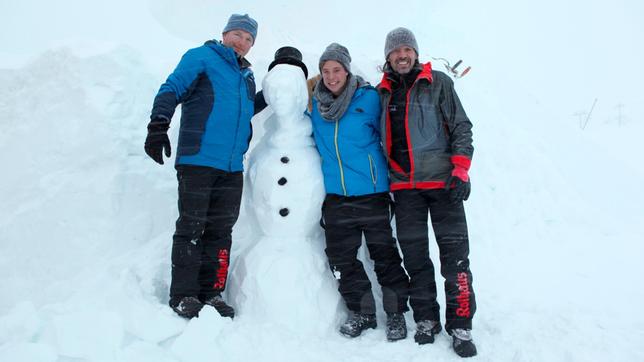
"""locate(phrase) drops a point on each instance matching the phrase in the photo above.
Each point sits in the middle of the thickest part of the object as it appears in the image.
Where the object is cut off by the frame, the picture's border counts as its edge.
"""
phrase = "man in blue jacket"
(216, 88)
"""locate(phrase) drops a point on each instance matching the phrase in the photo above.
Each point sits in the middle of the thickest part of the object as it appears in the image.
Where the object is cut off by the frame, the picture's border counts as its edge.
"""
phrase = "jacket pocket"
(432, 166)
(189, 142)
(250, 86)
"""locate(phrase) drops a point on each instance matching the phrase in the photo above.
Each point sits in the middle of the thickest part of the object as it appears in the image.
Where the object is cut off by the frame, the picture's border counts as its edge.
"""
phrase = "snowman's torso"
(286, 190)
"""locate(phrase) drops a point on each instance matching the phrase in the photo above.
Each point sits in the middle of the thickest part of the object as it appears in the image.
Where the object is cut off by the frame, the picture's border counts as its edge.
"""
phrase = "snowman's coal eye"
(284, 159)
(284, 212)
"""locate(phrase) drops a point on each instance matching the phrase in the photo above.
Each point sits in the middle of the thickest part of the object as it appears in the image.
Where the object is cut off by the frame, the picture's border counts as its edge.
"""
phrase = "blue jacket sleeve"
(178, 85)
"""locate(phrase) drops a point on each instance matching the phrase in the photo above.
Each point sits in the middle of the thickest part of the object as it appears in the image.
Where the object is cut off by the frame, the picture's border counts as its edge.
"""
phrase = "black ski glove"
(157, 141)
(461, 190)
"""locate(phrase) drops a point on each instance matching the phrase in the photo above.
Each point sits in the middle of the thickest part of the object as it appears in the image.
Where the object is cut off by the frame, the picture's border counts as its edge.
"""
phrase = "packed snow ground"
(555, 216)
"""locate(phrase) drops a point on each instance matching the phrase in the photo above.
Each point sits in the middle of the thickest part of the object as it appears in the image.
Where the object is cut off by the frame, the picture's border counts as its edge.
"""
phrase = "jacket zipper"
(409, 145)
(337, 154)
(230, 166)
(374, 176)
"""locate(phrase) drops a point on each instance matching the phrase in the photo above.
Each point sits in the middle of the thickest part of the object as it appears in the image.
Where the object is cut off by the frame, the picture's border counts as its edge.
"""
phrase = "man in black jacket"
(428, 143)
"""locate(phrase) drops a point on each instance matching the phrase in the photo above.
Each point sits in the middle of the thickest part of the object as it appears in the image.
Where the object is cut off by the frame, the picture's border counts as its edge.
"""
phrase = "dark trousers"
(450, 228)
(209, 201)
(346, 219)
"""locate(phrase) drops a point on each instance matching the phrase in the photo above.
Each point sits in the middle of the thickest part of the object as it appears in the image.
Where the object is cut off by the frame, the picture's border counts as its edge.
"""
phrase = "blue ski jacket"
(353, 162)
(216, 92)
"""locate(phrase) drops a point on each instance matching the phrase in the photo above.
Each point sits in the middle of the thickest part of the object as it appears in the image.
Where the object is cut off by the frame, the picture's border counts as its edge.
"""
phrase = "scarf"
(333, 108)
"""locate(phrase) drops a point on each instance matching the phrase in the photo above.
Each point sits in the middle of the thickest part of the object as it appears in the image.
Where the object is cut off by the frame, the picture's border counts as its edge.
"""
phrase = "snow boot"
(186, 307)
(356, 323)
(396, 327)
(222, 308)
(426, 330)
(462, 342)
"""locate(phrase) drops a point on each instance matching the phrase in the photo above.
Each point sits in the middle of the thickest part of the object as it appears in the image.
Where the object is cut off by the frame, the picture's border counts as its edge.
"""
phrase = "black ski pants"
(450, 229)
(346, 219)
(209, 202)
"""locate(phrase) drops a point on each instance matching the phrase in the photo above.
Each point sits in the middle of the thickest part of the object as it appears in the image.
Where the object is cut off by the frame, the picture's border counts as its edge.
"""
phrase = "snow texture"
(555, 217)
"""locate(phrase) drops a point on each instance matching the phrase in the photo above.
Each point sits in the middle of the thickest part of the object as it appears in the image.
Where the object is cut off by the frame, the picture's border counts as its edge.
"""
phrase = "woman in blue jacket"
(345, 115)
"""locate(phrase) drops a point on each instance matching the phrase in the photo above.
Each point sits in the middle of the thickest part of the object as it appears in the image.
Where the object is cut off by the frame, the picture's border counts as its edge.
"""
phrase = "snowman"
(286, 276)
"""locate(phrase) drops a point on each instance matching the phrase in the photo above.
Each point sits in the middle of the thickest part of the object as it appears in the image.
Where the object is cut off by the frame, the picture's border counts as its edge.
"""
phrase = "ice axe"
(452, 69)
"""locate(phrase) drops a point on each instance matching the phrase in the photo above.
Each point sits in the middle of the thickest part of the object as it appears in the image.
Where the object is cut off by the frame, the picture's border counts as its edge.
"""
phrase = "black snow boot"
(356, 323)
(186, 307)
(222, 308)
(462, 342)
(396, 327)
(426, 330)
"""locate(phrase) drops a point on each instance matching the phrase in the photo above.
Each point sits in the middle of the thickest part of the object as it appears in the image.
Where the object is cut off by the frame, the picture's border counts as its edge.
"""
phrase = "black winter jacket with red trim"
(439, 134)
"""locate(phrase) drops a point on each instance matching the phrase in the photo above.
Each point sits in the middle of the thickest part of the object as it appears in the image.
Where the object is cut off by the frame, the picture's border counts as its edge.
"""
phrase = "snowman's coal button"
(281, 181)
(284, 159)
(284, 211)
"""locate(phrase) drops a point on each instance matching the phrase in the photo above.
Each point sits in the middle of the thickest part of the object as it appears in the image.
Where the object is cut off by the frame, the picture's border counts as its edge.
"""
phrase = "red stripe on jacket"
(385, 83)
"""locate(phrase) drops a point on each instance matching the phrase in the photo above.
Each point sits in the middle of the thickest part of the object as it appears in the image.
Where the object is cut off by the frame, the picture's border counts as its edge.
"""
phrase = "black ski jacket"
(439, 134)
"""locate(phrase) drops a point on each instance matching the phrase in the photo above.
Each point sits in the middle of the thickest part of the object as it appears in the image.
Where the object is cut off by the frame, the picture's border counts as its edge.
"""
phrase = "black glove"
(157, 141)
(461, 190)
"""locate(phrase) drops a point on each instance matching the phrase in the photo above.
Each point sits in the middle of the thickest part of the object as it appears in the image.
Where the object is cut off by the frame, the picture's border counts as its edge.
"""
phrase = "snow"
(555, 215)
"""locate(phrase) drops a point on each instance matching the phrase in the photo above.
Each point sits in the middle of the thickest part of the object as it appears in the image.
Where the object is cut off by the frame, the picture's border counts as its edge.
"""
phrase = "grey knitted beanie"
(338, 53)
(242, 22)
(400, 37)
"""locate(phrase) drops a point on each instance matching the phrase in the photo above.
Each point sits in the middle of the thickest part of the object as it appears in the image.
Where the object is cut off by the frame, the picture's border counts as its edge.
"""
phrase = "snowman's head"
(284, 89)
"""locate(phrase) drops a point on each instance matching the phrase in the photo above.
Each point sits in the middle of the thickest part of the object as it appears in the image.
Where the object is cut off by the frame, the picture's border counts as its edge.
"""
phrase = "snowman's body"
(287, 277)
